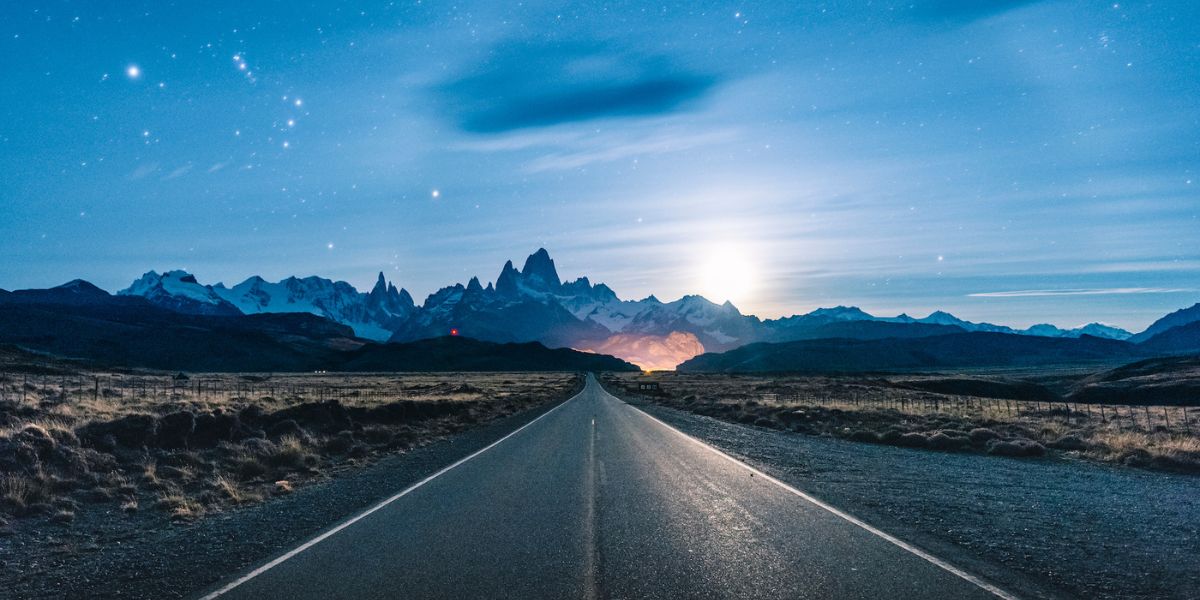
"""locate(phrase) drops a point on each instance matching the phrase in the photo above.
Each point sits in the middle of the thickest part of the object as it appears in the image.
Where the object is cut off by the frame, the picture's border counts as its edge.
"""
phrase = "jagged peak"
(381, 286)
(540, 265)
(474, 286)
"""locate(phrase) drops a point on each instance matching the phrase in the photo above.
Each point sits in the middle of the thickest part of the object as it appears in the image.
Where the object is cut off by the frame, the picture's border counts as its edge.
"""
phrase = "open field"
(994, 415)
(189, 446)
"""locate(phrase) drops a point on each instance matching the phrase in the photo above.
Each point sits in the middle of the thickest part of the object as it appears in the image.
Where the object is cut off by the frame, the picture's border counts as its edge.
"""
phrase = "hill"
(1174, 380)
(972, 349)
(451, 353)
(80, 321)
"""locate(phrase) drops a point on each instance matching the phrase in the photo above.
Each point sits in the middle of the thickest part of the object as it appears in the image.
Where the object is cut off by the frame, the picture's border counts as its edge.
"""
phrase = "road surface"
(596, 499)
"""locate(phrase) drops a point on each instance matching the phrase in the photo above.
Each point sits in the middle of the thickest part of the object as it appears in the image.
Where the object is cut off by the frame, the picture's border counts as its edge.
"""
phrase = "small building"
(648, 386)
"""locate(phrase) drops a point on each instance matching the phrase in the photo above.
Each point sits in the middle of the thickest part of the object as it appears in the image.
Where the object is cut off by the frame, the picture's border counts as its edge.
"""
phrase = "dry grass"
(891, 410)
(198, 445)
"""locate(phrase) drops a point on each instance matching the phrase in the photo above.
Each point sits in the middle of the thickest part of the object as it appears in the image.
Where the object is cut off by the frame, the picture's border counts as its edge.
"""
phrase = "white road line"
(978, 582)
(320, 538)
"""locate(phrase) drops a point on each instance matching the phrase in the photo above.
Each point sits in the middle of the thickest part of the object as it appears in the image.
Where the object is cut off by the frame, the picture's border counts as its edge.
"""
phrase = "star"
(133, 71)
(436, 194)
(329, 245)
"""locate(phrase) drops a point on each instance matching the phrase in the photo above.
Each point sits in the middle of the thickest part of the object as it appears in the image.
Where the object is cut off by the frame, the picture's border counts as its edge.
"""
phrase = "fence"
(1131, 417)
(212, 389)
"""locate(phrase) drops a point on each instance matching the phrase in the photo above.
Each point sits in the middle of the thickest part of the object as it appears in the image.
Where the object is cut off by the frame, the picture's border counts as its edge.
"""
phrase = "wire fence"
(23, 387)
(1131, 417)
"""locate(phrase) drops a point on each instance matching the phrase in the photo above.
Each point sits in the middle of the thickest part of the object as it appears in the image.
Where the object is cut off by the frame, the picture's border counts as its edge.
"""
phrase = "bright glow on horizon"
(727, 273)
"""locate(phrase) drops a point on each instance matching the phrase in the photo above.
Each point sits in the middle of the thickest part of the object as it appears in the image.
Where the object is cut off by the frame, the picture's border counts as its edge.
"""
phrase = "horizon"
(1020, 163)
(420, 299)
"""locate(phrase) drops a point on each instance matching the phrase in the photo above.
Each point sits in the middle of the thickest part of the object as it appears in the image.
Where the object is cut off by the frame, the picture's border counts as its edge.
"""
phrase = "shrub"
(912, 440)
(981, 435)
(942, 441)
(1015, 447)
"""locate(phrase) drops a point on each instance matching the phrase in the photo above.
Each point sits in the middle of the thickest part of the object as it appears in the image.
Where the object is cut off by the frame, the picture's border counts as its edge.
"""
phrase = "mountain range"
(534, 304)
(78, 320)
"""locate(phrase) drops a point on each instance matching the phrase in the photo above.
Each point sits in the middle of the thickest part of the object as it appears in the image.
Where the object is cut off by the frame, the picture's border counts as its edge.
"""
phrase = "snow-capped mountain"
(179, 291)
(534, 304)
(374, 315)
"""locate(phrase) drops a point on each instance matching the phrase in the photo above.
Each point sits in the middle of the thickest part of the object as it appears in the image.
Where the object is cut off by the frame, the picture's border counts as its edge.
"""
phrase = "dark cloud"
(533, 85)
(966, 10)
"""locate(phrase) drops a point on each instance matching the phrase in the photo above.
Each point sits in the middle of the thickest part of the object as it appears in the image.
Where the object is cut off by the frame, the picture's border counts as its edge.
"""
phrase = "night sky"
(1016, 162)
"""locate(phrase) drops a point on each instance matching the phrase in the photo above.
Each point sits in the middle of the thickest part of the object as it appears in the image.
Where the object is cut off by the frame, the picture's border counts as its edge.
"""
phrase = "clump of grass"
(21, 494)
(231, 491)
(180, 506)
(291, 453)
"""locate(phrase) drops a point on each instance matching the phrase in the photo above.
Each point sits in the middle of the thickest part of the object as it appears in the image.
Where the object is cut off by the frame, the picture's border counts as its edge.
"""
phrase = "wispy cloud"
(656, 144)
(178, 172)
(1080, 292)
(143, 170)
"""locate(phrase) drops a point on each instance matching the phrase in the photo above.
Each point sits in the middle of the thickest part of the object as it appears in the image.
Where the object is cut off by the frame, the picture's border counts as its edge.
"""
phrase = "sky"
(1011, 161)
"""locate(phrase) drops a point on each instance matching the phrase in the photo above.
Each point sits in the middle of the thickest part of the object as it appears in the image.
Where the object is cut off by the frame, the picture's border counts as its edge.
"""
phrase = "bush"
(1016, 447)
(175, 428)
(1069, 442)
(864, 436)
(912, 440)
(942, 441)
(982, 435)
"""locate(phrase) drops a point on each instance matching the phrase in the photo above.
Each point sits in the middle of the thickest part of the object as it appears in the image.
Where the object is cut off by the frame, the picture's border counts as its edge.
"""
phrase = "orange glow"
(454, 331)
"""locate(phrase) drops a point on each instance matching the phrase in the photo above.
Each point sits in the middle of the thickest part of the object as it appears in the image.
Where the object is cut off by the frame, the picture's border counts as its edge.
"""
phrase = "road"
(596, 499)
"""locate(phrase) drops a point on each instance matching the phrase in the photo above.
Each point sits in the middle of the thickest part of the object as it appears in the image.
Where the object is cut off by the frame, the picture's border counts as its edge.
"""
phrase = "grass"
(892, 410)
(145, 441)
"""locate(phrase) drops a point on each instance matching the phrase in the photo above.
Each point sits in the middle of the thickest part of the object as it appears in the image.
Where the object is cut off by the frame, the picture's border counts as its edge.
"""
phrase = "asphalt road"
(597, 499)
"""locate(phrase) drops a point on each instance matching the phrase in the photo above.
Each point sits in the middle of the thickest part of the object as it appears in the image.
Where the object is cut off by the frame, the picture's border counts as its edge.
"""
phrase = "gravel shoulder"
(104, 555)
(1042, 527)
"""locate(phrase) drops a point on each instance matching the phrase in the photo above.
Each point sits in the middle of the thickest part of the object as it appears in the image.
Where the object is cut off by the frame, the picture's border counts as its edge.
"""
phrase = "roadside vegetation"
(188, 446)
(995, 416)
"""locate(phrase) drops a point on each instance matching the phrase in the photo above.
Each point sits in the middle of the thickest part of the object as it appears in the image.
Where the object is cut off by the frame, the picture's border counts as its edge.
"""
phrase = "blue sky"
(1016, 162)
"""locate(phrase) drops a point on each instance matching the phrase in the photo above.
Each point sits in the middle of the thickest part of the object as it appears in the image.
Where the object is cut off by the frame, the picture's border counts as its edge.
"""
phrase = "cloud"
(1079, 292)
(524, 85)
(143, 170)
(661, 143)
(966, 10)
(179, 172)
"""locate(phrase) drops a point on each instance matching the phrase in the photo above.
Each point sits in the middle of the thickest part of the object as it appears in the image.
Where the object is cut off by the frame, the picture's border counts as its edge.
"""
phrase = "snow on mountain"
(374, 315)
(179, 291)
(534, 304)
(1102, 331)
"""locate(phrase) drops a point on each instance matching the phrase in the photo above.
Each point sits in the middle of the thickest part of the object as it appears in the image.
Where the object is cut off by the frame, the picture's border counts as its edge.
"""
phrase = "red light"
(454, 332)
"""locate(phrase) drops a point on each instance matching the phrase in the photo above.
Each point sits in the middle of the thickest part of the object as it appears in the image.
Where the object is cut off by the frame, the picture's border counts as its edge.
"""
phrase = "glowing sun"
(726, 273)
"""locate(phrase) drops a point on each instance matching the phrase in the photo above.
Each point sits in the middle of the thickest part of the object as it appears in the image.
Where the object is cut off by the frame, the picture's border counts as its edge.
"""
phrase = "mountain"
(1184, 339)
(373, 315)
(180, 292)
(81, 321)
(1182, 316)
(650, 352)
(134, 332)
(533, 303)
(957, 350)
